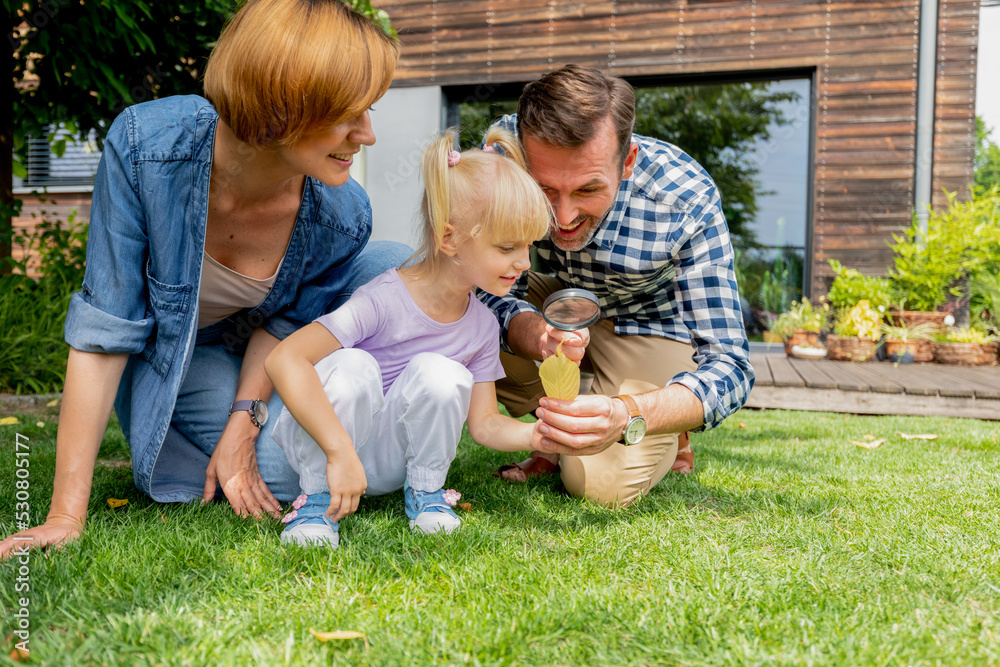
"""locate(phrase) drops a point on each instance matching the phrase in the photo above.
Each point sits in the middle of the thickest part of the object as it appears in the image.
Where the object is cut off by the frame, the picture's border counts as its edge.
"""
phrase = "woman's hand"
(234, 466)
(52, 533)
(346, 477)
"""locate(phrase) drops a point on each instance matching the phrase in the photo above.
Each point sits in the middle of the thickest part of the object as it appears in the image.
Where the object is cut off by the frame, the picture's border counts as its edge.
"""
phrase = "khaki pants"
(619, 475)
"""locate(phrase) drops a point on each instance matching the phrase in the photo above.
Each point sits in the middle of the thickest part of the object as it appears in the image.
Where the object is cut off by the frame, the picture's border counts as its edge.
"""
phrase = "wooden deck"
(875, 387)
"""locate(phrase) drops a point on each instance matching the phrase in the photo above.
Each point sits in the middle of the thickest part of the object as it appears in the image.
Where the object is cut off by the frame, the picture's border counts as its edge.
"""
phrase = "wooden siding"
(863, 56)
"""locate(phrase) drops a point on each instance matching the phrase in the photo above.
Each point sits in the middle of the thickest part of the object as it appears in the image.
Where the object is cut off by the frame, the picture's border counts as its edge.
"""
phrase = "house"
(884, 120)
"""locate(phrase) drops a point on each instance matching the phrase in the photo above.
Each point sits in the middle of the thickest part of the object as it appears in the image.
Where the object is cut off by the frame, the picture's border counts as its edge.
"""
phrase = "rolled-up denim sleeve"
(109, 313)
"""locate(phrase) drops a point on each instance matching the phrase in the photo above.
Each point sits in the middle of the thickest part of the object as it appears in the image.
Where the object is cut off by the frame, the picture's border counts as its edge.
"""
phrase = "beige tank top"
(224, 291)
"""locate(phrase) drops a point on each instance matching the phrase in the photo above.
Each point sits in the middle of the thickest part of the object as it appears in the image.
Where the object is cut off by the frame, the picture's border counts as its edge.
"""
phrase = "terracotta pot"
(850, 348)
(962, 354)
(801, 337)
(901, 352)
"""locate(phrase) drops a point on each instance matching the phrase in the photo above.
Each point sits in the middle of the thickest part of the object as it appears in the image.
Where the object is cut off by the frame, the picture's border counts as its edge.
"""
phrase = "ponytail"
(437, 187)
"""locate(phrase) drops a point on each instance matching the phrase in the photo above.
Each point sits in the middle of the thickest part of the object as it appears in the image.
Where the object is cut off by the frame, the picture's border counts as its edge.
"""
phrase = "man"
(639, 223)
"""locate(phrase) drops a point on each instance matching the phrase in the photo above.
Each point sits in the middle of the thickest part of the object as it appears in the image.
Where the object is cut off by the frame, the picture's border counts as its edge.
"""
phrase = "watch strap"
(241, 406)
(630, 405)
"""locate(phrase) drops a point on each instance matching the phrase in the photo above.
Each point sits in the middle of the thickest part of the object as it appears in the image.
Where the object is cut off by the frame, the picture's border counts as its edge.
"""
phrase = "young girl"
(376, 392)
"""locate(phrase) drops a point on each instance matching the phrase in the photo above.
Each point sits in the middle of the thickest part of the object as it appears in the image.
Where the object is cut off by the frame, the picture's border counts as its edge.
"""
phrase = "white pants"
(410, 434)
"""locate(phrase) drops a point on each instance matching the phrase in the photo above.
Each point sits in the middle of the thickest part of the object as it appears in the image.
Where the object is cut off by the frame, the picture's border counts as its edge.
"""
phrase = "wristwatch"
(256, 407)
(635, 429)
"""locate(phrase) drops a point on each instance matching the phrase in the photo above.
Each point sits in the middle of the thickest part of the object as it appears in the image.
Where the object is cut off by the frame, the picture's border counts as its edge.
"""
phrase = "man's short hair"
(285, 68)
(565, 108)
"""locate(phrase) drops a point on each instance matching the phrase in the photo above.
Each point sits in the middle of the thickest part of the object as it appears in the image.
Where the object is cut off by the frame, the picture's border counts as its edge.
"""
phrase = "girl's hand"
(234, 466)
(346, 477)
(54, 532)
(574, 343)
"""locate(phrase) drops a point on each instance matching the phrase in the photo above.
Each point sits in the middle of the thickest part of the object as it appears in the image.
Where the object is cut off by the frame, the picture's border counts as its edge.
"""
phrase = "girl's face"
(493, 266)
(327, 155)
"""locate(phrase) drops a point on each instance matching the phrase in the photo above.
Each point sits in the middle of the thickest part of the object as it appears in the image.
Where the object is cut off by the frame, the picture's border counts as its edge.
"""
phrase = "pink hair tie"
(495, 148)
(453, 158)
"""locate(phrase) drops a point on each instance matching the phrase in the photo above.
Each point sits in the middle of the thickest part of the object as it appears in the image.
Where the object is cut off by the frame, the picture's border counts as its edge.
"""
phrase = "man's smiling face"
(581, 183)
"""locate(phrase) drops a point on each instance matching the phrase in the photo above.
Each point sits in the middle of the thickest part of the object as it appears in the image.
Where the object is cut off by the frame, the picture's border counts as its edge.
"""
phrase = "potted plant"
(933, 264)
(962, 347)
(901, 340)
(850, 287)
(856, 332)
(801, 324)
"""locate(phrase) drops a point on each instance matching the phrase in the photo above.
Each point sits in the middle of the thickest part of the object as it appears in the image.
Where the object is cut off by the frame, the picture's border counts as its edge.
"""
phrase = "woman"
(218, 227)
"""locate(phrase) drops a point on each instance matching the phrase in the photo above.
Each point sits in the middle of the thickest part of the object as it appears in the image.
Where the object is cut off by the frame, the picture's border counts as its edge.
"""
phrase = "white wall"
(404, 121)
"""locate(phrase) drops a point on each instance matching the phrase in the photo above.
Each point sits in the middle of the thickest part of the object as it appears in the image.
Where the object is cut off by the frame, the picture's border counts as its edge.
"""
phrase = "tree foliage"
(81, 62)
(720, 126)
(987, 158)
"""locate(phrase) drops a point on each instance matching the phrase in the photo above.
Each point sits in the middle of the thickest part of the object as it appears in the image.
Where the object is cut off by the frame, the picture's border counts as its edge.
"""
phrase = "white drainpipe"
(926, 78)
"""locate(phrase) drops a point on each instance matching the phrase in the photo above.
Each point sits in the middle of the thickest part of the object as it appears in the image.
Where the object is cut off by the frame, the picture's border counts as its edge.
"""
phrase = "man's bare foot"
(684, 463)
(536, 465)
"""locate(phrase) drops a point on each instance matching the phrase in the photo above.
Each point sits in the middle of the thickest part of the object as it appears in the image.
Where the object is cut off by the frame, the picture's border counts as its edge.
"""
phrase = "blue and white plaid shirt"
(661, 264)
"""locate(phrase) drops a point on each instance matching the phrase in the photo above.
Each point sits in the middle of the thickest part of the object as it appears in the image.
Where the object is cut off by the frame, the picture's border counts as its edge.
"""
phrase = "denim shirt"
(144, 255)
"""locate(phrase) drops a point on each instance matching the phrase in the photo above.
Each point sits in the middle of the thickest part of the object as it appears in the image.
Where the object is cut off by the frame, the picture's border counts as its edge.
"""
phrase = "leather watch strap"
(630, 405)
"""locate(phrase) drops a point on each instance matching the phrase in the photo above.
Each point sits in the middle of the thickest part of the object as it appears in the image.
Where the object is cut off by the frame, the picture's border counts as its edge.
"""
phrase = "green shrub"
(850, 287)
(33, 311)
(929, 266)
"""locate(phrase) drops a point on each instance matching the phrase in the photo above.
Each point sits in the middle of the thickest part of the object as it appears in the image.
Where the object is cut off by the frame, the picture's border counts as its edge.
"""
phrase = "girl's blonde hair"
(285, 68)
(488, 191)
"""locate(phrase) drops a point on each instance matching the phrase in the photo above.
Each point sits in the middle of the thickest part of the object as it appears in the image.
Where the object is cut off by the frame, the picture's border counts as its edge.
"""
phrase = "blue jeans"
(208, 390)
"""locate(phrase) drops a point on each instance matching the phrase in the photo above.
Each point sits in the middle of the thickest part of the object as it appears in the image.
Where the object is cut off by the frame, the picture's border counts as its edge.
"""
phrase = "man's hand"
(53, 532)
(234, 466)
(574, 343)
(581, 427)
(346, 477)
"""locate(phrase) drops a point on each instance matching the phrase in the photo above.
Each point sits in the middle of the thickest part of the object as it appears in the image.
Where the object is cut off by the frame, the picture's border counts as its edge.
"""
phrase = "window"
(752, 137)
(73, 170)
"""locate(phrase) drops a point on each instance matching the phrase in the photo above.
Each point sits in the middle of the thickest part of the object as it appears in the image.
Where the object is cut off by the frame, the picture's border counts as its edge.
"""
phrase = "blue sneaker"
(308, 524)
(430, 511)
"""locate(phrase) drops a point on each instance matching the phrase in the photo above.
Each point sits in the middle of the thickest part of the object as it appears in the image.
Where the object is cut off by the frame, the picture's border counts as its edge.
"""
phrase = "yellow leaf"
(869, 445)
(8, 421)
(465, 506)
(921, 436)
(339, 634)
(560, 376)
(115, 503)
(53, 403)
(40, 424)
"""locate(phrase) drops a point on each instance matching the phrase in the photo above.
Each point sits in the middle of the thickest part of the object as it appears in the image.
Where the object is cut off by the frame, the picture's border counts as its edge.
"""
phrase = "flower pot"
(993, 352)
(802, 338)
(909, 317)
(961, 354)
(850, 348)
(901, 352)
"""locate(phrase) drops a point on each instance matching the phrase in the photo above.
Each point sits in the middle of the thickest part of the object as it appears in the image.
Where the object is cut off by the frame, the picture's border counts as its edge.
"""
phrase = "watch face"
(635, 431)
(260, 412)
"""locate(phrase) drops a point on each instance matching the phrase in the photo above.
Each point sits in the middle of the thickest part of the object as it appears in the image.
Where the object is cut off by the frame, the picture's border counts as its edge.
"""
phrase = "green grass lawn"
(789, 545)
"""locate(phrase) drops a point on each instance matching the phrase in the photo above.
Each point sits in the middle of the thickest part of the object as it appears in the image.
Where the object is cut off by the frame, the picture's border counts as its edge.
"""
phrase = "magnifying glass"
(571, 309)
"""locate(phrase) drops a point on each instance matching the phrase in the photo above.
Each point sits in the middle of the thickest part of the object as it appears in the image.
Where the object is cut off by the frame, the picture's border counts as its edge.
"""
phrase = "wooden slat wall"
(863, 53)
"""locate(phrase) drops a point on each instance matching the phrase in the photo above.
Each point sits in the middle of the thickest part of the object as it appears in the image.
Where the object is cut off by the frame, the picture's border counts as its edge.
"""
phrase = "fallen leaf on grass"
(115, 503)
(869, 445)
(465, 506)
(741, 425)
(40, 424)
(8, 421)
(53, 403)
(920, 436)
(339, 634)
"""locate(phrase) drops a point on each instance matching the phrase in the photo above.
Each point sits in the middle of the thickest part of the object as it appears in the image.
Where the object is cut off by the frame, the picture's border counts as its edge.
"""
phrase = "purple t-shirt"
(382, 319)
